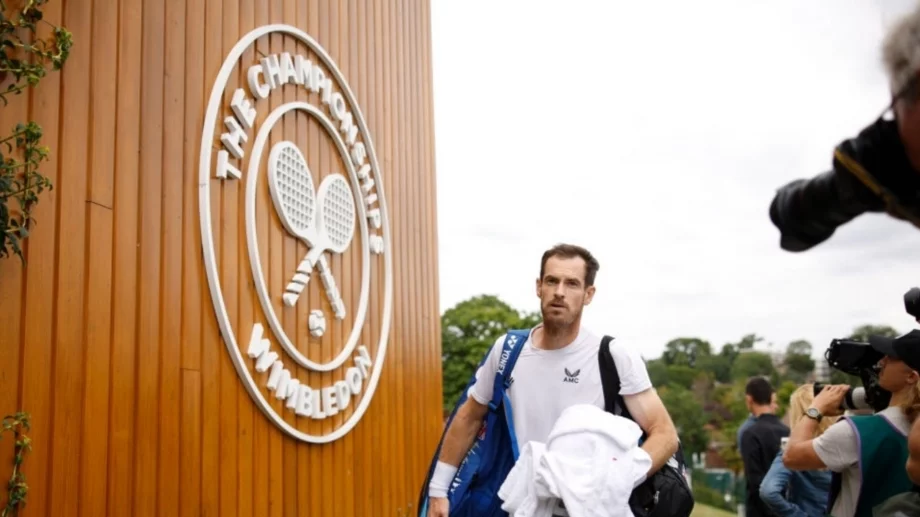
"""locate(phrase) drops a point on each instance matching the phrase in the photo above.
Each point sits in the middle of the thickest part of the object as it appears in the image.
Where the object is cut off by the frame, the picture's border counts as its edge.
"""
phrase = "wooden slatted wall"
(108, 337)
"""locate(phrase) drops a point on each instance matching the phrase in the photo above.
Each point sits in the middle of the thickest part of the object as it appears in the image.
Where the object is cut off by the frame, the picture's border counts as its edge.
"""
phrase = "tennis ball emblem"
(295, 235)
(317, 323)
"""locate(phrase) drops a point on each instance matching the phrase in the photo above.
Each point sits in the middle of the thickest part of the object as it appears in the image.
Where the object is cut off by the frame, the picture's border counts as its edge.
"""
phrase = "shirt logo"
(571, 376)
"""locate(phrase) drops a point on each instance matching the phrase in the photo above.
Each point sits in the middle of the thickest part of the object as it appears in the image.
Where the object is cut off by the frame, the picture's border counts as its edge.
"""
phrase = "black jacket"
(760, 443)
(871, 173)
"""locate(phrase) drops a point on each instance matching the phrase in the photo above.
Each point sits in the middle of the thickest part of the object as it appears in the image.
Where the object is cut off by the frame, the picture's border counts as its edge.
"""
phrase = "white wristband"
(441, 479)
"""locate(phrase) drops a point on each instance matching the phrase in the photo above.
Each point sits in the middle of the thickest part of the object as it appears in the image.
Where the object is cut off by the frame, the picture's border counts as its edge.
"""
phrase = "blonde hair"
(911, 406)
(800, 401)
(901, 50)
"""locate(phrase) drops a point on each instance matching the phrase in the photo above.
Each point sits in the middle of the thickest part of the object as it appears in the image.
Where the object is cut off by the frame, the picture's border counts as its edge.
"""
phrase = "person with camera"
(878, 170)
(907, 504)
(861, 451)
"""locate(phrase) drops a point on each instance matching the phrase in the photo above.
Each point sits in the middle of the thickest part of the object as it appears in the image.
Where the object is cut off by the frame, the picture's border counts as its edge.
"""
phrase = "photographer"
(878, 170)
(862, 450)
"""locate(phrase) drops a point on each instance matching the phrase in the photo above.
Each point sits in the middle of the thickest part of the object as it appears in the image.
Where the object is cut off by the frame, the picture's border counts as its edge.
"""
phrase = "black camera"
(912, 302)
(861, 360)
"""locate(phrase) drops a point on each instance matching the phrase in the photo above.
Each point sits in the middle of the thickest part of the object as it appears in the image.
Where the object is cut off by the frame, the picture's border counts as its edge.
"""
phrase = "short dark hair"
(570, 251)
(760, 390)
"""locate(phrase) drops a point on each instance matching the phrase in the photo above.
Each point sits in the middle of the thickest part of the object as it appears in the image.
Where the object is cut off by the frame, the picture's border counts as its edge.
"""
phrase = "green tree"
(657, 372)
(747, 342)
(799, 347)
(863, 332)
(750, 364)
(689, 417)
(680, 375)
(719, 366)
(686, 351)
(799, 361)
(468, 331)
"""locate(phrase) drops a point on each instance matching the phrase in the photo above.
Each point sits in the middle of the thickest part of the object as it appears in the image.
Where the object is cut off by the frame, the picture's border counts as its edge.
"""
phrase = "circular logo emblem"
(295, 235)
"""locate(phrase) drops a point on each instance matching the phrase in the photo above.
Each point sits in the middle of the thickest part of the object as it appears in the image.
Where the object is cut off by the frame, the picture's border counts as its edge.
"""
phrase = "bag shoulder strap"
(610, 380)
(511, 349)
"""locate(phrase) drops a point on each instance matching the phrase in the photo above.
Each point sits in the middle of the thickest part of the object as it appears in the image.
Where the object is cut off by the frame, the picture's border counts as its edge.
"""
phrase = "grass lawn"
(700, 510)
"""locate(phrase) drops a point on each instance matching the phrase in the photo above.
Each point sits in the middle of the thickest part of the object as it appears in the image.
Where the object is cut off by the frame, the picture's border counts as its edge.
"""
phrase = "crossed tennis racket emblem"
(323, 219)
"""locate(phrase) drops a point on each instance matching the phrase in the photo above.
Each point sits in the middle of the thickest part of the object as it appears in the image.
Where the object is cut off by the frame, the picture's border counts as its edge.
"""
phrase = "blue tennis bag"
(494, 451)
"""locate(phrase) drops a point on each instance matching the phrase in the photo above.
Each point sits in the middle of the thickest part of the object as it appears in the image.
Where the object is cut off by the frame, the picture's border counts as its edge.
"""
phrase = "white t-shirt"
(546, 382)
(838, 448)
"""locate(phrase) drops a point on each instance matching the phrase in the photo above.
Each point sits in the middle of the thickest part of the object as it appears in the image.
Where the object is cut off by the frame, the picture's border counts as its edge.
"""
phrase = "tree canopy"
(468, 331)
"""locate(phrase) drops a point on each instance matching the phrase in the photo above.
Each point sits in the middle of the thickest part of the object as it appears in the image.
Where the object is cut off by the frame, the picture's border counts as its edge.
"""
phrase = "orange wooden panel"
(36, 350)
(110, 334)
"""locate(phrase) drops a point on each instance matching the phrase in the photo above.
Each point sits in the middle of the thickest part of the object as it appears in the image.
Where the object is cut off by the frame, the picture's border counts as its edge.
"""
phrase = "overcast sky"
(655, 134)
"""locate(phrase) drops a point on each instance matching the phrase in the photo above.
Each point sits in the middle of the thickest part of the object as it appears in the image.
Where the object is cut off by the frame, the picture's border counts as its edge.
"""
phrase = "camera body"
(861, 360)
(912, 302)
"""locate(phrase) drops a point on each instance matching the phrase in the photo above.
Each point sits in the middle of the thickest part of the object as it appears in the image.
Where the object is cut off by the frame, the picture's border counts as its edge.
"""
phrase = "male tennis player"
(558, 367)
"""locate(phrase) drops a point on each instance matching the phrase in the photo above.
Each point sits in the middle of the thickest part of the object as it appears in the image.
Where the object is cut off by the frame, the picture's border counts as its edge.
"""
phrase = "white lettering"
(281, 390)
(503, 361)
(370, 200)
(350, 130)
(257, 89)
(363, 361)
(373, 217)
(367, 185)
(342, 394)
(243, 109)
(275, 376)
(232, 139)
(265, 360)
(287, 68)
(256, 345)
(271, 69)
(364, 172)
(339, 108)
(354, 380)
(225, 168)
(326, 89)
(317, 410)
(329, 402)
(319, 77)
(302, 73)
(293, 388)
(358, 152)
(376, 243)
(304, 401)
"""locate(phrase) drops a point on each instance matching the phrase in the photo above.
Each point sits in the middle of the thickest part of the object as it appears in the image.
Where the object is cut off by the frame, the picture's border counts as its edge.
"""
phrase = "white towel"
(517, 491)
(592, 462)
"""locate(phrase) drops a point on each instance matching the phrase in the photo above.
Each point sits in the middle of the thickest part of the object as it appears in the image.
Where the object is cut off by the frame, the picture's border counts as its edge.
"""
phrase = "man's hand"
(438, 507)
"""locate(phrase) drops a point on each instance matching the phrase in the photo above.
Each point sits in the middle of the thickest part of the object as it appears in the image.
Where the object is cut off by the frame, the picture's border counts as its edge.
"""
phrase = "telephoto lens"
(912, 302)
(855, 399)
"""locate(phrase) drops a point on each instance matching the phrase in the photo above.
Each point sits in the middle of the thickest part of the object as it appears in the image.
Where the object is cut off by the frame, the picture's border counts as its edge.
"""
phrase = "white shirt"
(546, 382)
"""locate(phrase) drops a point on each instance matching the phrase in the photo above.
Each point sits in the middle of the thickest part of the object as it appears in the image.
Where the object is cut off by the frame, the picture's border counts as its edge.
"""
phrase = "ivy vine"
(26, 58)
(18, 424)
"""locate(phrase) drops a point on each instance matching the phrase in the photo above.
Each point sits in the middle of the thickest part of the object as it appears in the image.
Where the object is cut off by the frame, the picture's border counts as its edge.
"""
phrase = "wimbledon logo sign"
(288, 156)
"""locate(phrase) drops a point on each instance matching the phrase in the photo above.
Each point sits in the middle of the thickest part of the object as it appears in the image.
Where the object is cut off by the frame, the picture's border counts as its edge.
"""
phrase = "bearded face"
(563, 293)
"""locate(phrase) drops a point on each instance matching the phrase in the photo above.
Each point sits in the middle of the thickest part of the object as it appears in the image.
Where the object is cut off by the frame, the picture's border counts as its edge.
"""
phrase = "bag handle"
(610, 380)
(511, 349)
